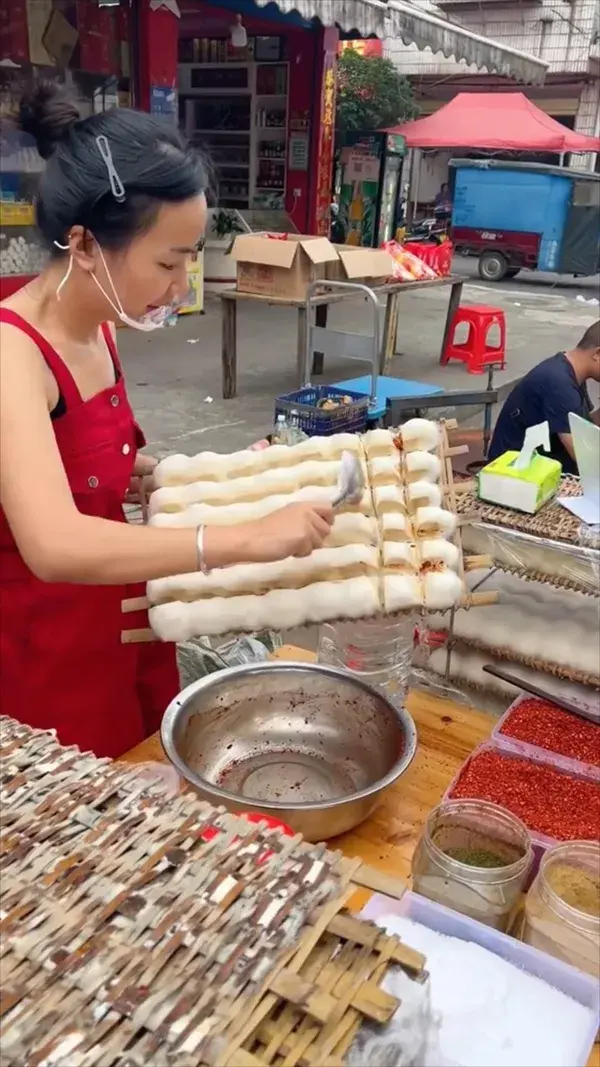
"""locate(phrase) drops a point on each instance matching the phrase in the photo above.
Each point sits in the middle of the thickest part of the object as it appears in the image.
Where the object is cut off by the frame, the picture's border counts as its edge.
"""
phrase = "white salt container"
(581, 987)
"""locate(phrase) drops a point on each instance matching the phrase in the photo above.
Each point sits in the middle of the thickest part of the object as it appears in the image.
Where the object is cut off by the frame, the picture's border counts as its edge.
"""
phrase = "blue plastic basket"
(347, 418)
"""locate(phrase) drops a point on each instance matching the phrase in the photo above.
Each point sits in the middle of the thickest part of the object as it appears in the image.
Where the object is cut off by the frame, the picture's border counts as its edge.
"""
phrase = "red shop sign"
(326, 145)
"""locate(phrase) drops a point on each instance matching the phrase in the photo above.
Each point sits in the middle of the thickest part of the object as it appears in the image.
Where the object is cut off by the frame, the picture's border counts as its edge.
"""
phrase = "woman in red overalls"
(121, 205)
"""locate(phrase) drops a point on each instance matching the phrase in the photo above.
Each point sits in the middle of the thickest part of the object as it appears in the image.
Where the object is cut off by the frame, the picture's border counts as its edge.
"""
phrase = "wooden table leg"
(390, 331)
(453, 305)
(229, 349)
(301, 352)
(318, 362)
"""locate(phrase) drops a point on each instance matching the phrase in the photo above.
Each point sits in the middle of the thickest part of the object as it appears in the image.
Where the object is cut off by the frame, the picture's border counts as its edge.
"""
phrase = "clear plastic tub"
(545, 755)
(555, 926)
(541, 842)
(483, 833)
(573, 983)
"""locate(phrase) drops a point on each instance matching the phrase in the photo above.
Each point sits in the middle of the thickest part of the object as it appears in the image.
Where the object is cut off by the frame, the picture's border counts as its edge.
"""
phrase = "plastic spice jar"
(473, 857)
(562, 909)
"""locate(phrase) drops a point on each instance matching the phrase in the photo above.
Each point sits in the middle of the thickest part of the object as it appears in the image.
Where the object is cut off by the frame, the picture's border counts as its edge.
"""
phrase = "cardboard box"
(282, 268)
(371, 266)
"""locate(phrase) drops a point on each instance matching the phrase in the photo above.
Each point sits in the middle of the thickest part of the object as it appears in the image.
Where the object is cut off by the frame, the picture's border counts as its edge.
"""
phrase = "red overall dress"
(62, 664)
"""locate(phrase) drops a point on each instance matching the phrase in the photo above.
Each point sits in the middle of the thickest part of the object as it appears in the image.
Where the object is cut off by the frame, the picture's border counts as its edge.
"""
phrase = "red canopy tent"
(507, 121)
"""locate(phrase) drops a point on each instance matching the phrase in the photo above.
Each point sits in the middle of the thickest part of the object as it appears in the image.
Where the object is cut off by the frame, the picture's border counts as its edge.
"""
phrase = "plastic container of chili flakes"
(545, 755)
(541, 842)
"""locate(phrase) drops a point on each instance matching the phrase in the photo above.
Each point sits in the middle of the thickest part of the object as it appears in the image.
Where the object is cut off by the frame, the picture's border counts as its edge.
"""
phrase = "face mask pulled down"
(153, 319)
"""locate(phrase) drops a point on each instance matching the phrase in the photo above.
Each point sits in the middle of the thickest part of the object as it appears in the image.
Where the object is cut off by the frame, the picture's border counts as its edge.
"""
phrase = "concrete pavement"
(172, 373)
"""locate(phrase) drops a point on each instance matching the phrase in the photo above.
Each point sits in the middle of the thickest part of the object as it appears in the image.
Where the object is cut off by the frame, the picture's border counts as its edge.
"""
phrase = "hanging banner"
(326, 146)
(371, 46)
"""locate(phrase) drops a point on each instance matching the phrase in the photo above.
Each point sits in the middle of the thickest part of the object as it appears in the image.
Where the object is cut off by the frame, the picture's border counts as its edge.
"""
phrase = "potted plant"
(223, 226)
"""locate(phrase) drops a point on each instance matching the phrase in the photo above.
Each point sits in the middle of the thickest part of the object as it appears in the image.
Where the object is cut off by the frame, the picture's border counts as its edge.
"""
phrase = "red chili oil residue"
(546, 800)
(539, 722)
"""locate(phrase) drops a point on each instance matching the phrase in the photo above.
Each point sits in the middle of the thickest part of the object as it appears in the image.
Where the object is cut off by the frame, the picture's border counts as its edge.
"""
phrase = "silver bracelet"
(200, 548)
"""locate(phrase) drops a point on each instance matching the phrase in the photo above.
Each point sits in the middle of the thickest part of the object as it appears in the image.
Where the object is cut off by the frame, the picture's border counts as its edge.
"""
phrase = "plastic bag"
(407, 266)
(437, 256)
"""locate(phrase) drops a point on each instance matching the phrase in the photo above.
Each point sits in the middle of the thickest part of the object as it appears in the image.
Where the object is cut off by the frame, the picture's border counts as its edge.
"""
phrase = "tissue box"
(527, 489)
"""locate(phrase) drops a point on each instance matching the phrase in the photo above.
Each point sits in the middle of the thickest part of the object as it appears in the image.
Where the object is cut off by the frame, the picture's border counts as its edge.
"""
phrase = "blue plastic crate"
(347, 418)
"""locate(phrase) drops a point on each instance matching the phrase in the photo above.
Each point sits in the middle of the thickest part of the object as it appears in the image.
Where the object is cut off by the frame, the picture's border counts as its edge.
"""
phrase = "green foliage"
(371, 93)
(225, 223)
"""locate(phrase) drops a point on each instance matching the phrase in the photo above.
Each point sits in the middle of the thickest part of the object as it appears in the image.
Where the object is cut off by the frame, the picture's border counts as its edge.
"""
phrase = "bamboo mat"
(140, 929)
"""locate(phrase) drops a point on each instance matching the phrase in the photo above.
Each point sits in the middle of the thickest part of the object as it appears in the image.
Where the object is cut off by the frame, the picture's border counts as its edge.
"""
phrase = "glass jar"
(380, 650)
(473, 857)
(562, 909)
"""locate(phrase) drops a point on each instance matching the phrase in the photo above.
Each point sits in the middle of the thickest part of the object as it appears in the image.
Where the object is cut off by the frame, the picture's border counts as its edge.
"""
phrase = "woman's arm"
(58, 543)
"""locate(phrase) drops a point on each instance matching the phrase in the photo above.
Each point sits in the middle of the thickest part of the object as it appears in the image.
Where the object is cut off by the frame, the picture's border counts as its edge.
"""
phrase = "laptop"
(586, 443)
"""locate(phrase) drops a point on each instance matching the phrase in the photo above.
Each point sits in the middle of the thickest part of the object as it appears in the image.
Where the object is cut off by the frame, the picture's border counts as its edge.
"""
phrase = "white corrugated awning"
(368, 18)
(404, 20)
(410, 24)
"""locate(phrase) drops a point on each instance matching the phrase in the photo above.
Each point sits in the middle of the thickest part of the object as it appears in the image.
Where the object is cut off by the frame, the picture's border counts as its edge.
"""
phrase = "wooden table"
(448, 732)
(392, 293)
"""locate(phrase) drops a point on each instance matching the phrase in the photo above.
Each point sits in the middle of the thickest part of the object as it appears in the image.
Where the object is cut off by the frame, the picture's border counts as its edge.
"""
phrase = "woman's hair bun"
(48, 113)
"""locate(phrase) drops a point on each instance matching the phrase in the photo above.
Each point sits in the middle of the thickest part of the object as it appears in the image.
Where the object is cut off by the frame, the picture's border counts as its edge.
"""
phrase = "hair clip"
(116, 185)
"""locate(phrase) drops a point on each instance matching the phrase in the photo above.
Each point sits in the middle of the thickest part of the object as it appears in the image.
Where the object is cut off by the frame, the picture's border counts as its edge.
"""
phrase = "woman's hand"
(295, 530)
(144, 465)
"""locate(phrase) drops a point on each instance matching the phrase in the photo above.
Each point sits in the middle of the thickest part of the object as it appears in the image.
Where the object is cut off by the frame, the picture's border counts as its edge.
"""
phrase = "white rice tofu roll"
(280, 609)
(218, 467)
(400, 556)
(442, 589)
(389, 498)
(239, 490)
(419, 435)
(432, 522)
(378, 443)
(352, 528)
(438, 550)
(385, 470)
(401, 592)
(396, 527)
(422, 466)
(324, 564)
(423, 494)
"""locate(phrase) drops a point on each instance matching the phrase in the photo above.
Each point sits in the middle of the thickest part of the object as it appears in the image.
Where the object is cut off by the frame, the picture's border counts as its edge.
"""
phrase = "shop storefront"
(80, 44)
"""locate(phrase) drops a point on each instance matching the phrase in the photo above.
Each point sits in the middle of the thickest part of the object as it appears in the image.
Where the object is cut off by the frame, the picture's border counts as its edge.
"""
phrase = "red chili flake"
(538, 722)
(548, 801)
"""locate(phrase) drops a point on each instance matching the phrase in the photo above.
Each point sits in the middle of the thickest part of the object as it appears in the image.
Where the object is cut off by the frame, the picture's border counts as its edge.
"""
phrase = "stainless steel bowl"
(308, 744)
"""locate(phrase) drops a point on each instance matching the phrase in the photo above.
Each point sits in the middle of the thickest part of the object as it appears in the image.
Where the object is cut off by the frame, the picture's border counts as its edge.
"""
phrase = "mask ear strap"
(63, 248)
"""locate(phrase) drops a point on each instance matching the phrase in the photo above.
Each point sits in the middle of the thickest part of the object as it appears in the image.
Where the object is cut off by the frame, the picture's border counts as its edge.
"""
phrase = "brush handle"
(538, 691)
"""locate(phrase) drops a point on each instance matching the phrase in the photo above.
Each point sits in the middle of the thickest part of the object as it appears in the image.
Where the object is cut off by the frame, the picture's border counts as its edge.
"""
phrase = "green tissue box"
(525, 489)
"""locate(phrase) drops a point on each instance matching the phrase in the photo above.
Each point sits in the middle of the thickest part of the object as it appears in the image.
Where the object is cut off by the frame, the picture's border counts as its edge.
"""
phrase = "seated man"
(550, 392)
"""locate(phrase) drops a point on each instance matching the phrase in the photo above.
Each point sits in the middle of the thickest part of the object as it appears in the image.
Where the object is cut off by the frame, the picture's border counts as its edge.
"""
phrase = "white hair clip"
(116, 185)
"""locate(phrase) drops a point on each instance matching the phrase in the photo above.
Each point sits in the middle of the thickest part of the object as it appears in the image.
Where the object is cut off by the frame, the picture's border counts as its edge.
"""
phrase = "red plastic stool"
(475, 351)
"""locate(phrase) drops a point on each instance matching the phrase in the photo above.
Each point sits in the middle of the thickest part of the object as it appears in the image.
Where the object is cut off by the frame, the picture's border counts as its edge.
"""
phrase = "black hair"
(152, 159)
(591, 337)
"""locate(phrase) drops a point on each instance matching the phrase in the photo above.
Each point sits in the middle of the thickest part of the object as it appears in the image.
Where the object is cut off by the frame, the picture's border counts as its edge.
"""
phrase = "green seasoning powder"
(475, 857)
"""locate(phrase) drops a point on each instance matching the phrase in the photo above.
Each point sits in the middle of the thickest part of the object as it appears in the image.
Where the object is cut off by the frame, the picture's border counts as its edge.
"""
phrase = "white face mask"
(151, 320)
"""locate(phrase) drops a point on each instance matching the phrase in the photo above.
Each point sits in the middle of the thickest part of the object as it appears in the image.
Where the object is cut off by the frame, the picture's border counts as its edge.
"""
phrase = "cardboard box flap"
(319, 249)
(366, 262)
(256, 248)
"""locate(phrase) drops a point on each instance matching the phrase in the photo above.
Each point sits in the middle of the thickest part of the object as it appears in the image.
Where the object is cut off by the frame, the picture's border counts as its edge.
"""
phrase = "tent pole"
(562, 159)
